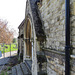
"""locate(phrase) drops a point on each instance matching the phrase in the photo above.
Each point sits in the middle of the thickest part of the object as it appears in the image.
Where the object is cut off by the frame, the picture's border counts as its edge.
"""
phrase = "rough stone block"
(72, 73)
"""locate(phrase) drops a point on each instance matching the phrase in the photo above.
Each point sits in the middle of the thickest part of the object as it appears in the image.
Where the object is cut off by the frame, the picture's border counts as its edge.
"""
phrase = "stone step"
(14, 72)
(24, 69)
(42, 73)
(28, 63)
(19, 70)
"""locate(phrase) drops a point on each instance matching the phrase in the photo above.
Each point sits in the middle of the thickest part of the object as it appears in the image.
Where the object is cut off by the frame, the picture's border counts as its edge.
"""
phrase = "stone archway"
(28, 38)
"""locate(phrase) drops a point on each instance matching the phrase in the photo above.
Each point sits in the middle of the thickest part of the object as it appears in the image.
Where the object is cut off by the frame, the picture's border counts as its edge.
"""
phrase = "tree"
(6, 36)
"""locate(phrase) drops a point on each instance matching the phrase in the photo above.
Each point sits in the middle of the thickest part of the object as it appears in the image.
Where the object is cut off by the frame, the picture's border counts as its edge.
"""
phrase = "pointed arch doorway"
(28, 40)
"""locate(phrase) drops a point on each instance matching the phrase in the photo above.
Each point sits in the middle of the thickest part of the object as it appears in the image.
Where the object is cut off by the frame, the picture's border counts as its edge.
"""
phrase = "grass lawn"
(7, 48)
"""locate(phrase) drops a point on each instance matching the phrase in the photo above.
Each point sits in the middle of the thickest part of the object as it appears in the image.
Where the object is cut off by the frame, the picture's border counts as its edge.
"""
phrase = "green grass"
(3, 73)
(9, 68)
(7, 48)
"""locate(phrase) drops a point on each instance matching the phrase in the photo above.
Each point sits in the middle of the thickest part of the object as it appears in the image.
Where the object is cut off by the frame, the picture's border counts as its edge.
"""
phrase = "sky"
(13, 11)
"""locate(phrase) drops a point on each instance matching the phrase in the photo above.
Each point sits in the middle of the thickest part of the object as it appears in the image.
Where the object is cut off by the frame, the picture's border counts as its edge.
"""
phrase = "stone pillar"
(24, 54)
(34, 59)
(20, 48)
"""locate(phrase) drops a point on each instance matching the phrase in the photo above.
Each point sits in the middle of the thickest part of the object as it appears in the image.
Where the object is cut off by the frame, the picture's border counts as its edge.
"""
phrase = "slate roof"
(21, 25)
(37, 20)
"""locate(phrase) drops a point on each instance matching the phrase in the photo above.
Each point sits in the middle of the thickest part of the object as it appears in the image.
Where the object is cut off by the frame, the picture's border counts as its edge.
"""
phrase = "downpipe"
(67, 37)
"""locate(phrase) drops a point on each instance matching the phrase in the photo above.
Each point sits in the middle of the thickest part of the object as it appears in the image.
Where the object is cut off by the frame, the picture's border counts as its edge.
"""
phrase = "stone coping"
(58, 52)
(54, 51)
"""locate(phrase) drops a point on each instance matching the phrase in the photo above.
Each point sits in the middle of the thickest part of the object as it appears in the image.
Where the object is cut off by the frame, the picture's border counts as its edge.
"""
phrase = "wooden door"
(28, 42)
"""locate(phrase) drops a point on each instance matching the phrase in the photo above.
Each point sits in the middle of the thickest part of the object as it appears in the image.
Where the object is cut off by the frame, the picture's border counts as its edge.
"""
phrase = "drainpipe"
(67, 37)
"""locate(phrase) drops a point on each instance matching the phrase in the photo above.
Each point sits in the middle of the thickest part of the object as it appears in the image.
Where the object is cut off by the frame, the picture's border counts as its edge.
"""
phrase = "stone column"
(24, 56)
(34, 59)
(20, 48)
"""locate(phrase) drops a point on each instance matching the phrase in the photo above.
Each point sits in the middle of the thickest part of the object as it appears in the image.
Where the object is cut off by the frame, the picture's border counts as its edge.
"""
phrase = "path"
(5, 60)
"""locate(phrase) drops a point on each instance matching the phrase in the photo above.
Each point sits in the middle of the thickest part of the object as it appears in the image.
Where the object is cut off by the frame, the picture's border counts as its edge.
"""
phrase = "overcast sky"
(13, 11)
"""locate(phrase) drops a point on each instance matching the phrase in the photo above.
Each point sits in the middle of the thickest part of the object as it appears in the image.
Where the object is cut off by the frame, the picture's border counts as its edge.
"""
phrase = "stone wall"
(73, 36)
(52, 14)
(73, 24)
(55, 63)
(53, 18)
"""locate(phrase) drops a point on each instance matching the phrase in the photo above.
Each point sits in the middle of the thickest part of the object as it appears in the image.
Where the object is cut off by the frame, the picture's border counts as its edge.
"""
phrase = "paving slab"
(4, 61)
(24, 68)
(19, 70)
(14, 71)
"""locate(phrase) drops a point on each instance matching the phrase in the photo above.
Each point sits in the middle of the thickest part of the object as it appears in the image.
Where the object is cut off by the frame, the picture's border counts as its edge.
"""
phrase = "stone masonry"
(20, 40)
(47, 21)
(52, 14)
